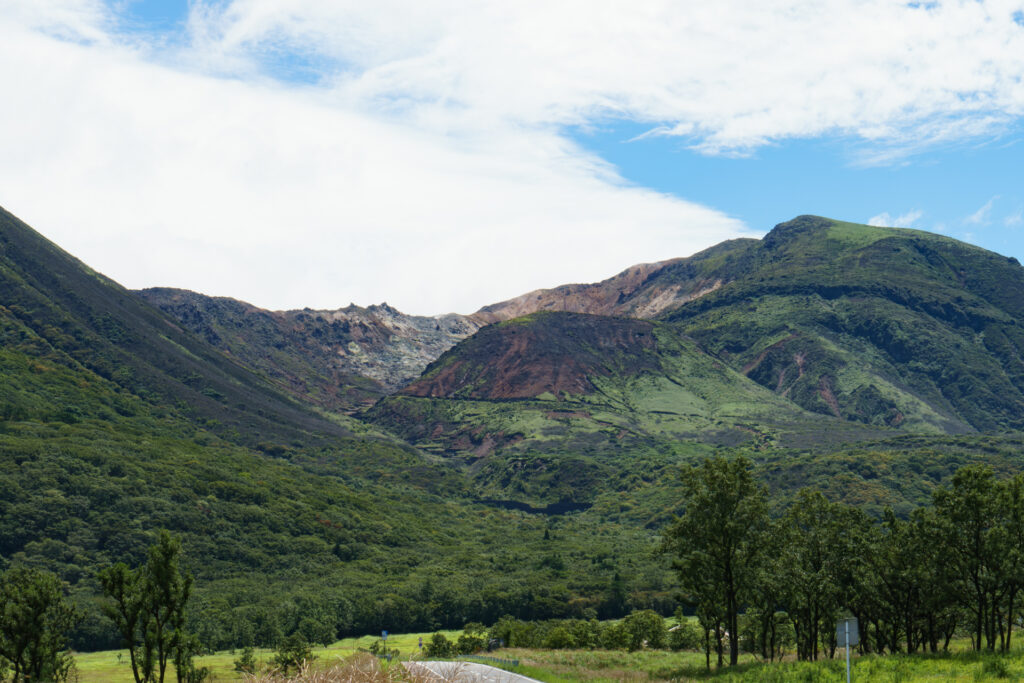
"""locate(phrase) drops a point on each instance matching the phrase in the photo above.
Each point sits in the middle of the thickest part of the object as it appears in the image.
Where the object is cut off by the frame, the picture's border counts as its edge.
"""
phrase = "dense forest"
(531, 473)
(757, 580)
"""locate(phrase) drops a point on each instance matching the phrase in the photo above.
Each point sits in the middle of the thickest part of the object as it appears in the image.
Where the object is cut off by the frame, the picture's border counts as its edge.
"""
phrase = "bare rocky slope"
(886, 327)
(340, 360)
(347, 358)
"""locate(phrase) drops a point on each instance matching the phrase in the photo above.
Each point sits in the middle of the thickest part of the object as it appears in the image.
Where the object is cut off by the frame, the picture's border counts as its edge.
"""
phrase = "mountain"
(823, 336)
(345, 359)
(570, 381)
(57, 308)
(883, 326)
(340, 360)
(116, 421)
(514, 460)
(640, 291)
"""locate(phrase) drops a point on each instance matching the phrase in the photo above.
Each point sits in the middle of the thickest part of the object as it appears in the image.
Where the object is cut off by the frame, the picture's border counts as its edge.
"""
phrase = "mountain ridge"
(531, 462)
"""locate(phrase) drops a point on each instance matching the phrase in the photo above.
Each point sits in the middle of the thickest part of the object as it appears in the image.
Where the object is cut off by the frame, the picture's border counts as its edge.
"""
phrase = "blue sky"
(442, 156)
(948, 186)
(154, 15)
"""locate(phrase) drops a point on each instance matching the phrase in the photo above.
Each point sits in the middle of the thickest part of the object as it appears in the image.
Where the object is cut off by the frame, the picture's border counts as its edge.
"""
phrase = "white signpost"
(847, 635)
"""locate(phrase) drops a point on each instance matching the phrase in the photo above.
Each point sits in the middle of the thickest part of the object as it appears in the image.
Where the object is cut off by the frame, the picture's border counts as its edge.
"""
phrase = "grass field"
(112, 666)
(599, 666)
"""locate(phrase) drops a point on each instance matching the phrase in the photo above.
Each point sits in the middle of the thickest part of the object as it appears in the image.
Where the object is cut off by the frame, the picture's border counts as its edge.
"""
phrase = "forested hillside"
(529, 470)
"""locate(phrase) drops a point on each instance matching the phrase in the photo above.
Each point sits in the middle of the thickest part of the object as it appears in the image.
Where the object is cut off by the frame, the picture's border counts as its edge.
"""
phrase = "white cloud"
(730, 75)
(905, 220)
(1014, 219)
(282, 197)
(981, 216)
(428, 166)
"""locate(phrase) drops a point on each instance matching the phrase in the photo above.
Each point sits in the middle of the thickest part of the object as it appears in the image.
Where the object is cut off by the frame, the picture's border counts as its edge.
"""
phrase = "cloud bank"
(422, 158)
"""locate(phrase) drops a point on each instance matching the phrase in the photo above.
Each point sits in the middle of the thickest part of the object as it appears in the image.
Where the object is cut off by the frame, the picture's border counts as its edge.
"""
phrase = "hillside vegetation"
(529, 465)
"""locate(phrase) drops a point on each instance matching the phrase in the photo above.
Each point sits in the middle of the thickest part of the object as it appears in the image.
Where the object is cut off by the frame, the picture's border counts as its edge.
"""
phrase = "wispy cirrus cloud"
(981, 216)
(904, 220)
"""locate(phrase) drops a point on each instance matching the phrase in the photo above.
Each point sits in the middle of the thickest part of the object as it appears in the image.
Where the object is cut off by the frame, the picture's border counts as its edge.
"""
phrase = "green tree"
(148, 607)
(646, 629)
(968, 511)
(246, 664)
(125, 589)
(294, 651)
(765, 621)
(819, 553)
(439, 646)
(1008, 542)
(717, 543)
(34, 621)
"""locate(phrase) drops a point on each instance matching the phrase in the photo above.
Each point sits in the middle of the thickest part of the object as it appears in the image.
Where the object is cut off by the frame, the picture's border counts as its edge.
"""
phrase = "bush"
(645, 629)
(559, 638)
(614, 636)
(292, 653)
(439, 646)
(247, 662)
(474, 628)
(686, 635)
(468, 644)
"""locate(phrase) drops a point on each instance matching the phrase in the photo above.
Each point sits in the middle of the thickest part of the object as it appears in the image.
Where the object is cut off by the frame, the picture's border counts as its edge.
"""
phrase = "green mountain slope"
(822, 335)
(556, 406)
(860, 360)
(115, 422)
(876, 325)
(56, 307)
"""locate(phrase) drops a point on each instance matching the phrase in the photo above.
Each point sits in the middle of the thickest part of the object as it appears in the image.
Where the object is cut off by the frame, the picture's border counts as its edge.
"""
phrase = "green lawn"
(598, 666)
(105, 667)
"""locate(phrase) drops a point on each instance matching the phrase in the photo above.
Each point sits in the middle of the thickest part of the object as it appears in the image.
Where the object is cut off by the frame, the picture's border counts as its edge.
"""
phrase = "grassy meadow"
(112, 666)
(599, 666)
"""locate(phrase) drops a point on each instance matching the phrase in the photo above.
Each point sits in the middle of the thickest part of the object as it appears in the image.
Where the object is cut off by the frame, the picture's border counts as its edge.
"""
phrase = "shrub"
(685, 635)
(559, 638)
(614, 636)
(247, 662)
(439, 646)
(292, 653)
(645, 628)
(468, 644)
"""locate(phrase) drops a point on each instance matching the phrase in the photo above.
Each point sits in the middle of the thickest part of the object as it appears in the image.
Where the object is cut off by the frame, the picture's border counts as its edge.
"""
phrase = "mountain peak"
(794, 229)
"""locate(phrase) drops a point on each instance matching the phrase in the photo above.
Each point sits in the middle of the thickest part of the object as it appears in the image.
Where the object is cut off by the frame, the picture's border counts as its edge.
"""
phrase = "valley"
(330, 472)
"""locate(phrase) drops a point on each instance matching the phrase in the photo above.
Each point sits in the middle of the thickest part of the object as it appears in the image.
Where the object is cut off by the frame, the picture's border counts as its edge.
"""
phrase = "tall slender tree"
(148, 607)
(717, 543)
(34, 621)
(967, 511)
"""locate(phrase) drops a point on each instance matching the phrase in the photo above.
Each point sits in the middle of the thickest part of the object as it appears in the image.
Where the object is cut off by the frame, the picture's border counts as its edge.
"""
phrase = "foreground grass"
(107, 667)
(599, 666)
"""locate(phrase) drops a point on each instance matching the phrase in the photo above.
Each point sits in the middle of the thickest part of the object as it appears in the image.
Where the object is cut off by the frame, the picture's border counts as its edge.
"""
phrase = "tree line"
(762, 578)
(147, 605)
(955, 566)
